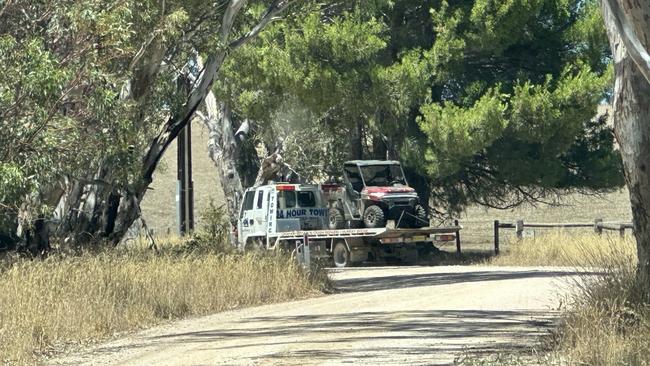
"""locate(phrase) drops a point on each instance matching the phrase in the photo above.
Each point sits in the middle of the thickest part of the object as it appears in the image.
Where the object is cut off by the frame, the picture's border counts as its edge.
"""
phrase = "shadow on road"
(426, 333)
(437, 279)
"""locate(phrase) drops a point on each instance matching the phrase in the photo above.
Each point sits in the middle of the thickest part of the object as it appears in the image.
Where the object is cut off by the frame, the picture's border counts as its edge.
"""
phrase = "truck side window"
(289, 198)
(248, 202)
(260, 198)
(306, 199)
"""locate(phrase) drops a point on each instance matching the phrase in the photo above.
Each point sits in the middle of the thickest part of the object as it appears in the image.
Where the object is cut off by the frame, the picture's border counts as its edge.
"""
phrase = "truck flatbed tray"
(378, 233)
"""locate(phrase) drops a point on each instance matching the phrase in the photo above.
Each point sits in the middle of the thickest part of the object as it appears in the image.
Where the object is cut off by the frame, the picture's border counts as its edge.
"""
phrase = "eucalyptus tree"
(628, 27)
(95, 92)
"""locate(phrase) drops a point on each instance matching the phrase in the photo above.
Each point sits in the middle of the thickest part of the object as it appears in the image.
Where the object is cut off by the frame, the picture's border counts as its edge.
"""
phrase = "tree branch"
(634, 47)
(270, 15)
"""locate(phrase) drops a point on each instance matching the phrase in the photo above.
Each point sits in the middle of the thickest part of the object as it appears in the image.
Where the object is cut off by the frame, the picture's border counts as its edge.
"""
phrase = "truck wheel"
(421, 214)
(336, 219)
(373, 217)
(253, 244)
(341, 255)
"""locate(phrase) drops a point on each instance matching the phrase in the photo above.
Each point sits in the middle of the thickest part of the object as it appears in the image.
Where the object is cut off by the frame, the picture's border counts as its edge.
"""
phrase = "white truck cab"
(275, 208)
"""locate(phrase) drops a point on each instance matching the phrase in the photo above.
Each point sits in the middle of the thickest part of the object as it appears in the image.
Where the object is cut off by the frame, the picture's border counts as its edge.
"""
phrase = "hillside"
(159, 204)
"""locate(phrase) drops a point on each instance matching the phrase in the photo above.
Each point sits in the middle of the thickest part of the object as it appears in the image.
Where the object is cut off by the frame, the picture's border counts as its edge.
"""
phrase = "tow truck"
(286, 216)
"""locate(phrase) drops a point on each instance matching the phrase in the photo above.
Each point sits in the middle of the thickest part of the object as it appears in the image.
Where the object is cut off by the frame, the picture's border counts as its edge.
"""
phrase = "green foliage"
(457, 133)
(481, 98)
(86, 85)
(214, 233)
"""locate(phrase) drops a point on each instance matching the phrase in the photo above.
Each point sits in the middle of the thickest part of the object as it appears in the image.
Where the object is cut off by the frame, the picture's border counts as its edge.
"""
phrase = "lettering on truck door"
(273, 207)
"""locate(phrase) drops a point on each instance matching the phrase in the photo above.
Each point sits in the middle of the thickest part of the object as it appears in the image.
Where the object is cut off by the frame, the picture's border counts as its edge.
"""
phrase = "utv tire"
(373, 217)
(421, 214)
(336, 220)
(341, 255)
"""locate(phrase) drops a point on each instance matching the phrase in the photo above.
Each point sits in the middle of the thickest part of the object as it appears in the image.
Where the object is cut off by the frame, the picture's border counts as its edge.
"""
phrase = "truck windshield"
(383, 175)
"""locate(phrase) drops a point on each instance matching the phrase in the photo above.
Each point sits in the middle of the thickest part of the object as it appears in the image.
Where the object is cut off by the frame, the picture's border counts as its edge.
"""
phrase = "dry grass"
(559, 248)
(607, 320)
(61, 301)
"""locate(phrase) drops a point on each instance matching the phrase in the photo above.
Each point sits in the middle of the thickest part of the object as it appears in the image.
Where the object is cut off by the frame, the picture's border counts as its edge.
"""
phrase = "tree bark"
(356, 141)
(624, 21)
(223, 150)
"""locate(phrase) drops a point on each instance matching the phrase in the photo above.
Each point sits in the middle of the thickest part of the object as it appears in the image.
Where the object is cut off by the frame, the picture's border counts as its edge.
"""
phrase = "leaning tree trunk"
(224, 148)
(628, 28)
(96, 209)
(224, 151)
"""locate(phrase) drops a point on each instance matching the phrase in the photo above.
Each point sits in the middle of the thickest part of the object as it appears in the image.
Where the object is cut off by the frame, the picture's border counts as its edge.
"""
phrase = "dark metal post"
(457, 237)
(188, 176)
(185, 183)
(180, 168)
(496, 237)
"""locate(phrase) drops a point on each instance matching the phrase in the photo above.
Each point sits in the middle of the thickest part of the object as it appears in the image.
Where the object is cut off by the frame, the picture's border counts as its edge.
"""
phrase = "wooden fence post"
(519, 229)
(598, 229)
(457, 237)
(621, 231)
(496, 237)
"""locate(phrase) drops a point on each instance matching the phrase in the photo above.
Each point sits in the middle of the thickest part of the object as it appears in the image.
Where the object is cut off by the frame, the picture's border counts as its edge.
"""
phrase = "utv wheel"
(373, 217)
(421, 214)
(336, 219)
(341, 255)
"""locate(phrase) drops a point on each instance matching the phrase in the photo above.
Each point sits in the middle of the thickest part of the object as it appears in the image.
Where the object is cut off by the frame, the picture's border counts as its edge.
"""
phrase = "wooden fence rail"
(598, 225)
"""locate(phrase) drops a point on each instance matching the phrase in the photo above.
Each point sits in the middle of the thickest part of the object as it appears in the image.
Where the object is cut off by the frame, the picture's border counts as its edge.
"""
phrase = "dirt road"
(387, 315)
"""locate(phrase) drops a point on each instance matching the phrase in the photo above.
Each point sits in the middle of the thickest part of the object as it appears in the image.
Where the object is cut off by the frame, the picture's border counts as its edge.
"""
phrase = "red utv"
(375, 191)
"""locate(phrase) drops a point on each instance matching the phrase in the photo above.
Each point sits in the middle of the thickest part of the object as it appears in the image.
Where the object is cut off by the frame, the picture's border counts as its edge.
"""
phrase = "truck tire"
(336, 219)
(373, 217)
(341, 255)
(254, 244)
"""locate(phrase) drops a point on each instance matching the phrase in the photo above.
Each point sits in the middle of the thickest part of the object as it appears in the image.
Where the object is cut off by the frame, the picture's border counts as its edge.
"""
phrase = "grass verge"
(606, 321)
(559, 248)
(64, 300)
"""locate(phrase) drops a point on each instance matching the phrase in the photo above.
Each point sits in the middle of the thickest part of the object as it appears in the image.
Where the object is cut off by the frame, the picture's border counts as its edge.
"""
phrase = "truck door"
(260, 212)
(246, 217)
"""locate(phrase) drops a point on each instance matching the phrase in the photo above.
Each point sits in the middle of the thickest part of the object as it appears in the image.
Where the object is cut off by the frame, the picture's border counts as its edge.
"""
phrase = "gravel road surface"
(379, 315)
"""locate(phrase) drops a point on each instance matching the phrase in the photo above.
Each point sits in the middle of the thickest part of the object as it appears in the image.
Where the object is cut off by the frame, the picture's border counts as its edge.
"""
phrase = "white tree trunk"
(223, 150)
(628, 23)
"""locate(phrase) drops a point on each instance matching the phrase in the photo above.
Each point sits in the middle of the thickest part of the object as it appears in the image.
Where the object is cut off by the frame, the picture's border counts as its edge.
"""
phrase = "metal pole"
(457, 237)
(180, 167)
(189, 187)
(496, 237)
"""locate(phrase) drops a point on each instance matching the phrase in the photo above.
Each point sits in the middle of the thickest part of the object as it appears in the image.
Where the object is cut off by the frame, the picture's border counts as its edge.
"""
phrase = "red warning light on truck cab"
(286, 187)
